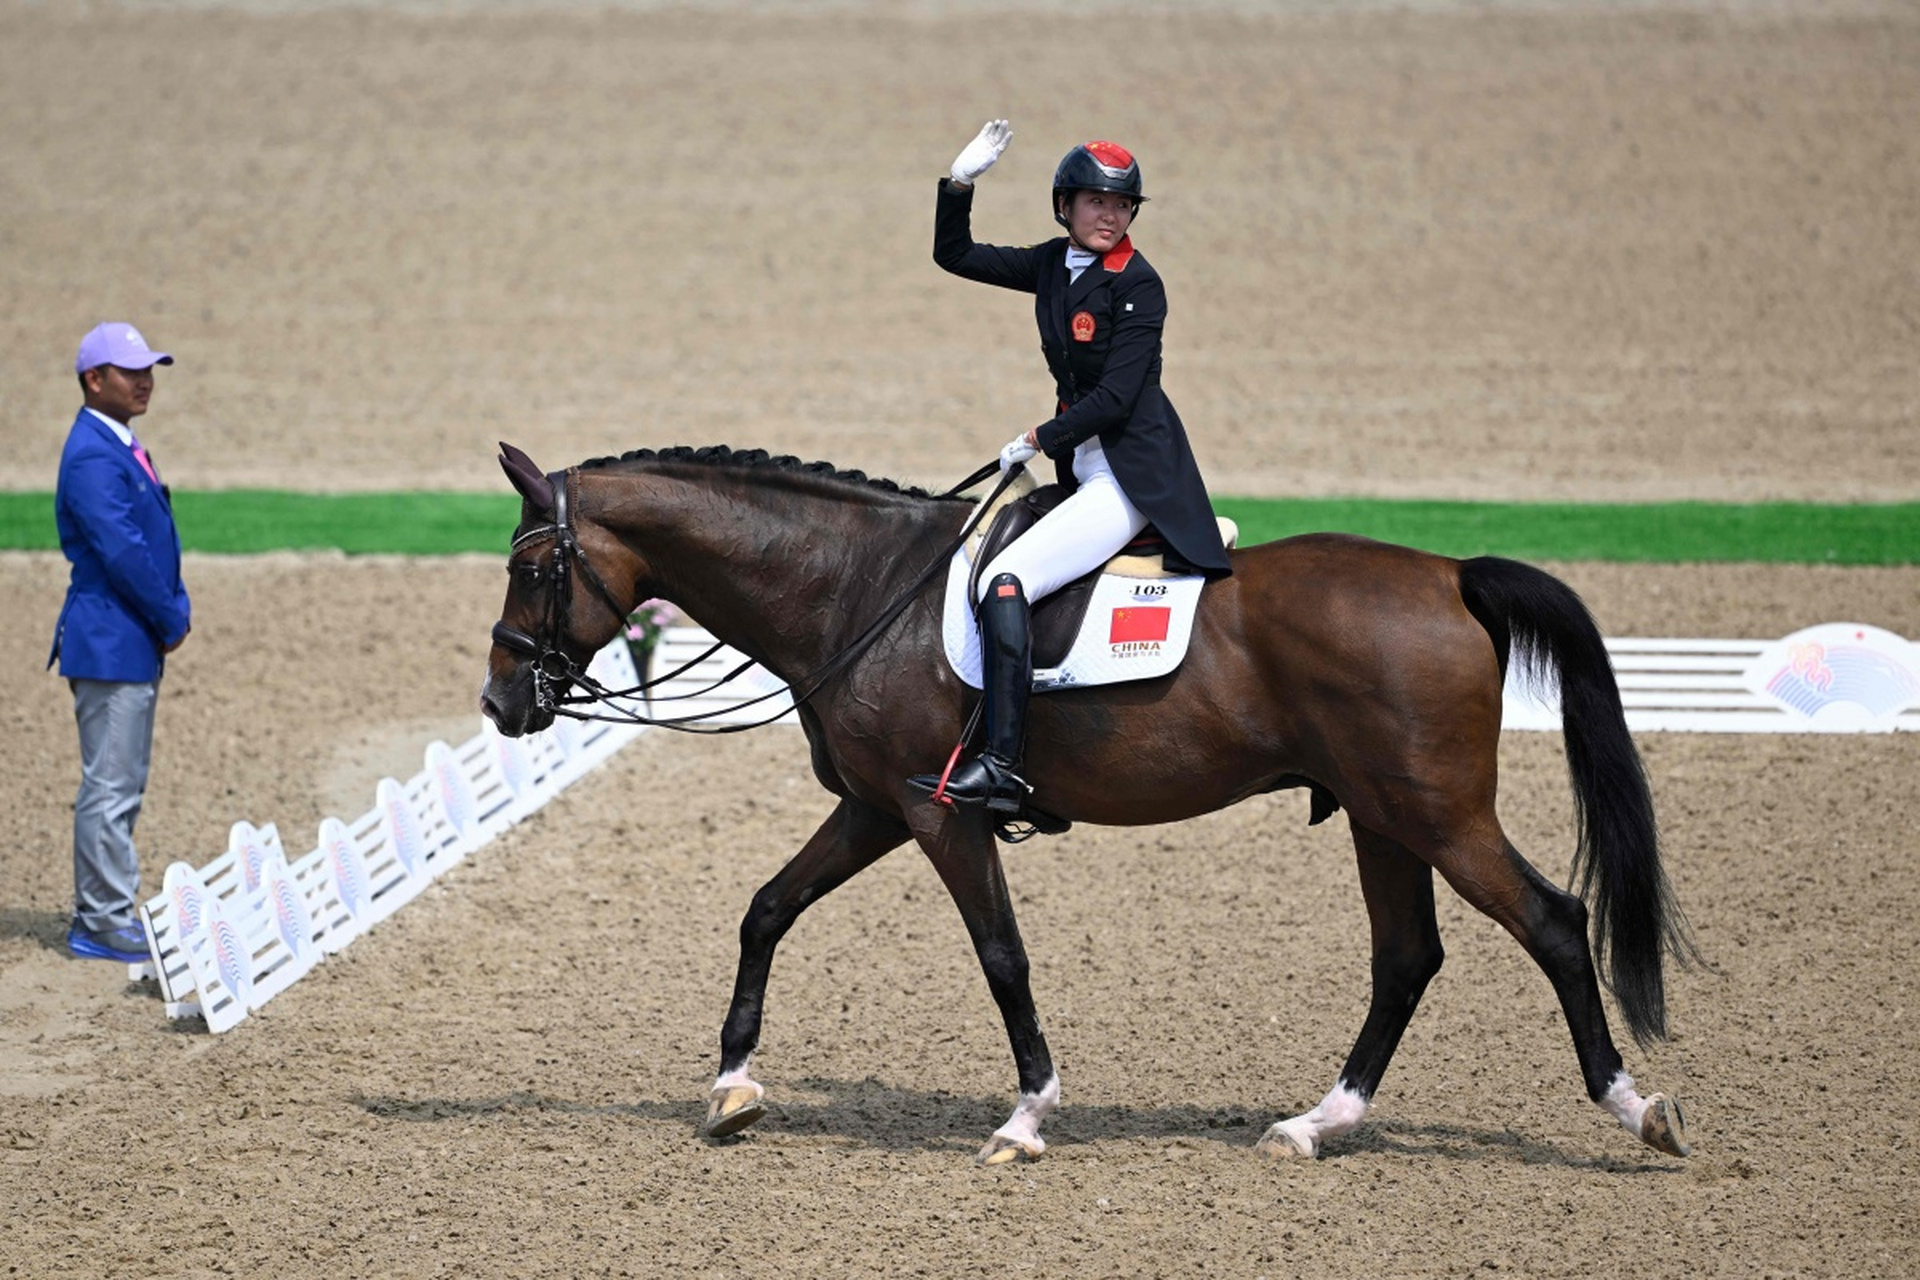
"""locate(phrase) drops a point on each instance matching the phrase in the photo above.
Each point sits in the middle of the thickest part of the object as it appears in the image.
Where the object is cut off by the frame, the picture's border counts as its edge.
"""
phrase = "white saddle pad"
(1134, 629)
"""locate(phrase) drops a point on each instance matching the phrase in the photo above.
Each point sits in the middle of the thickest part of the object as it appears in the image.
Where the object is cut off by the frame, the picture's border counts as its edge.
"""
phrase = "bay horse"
(1369, 673)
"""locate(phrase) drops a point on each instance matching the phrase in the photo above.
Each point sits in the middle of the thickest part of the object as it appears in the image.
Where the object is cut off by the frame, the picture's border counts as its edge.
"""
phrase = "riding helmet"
(1097, 166)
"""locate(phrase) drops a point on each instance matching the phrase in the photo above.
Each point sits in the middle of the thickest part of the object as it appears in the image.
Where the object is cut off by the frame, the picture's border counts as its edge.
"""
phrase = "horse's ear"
(527, 478)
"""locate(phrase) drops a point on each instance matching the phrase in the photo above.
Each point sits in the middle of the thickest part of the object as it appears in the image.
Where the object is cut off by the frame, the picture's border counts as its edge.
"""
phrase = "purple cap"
(117, 344)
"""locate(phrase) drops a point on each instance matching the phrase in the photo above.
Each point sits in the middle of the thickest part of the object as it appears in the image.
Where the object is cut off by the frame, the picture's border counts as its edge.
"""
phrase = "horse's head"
(561, 606)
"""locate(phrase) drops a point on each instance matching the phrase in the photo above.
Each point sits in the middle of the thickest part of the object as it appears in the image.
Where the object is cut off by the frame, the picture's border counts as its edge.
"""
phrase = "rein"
(553, 668)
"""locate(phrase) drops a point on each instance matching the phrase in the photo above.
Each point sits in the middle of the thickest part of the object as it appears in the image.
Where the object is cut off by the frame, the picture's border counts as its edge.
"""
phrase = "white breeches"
(1074, 538)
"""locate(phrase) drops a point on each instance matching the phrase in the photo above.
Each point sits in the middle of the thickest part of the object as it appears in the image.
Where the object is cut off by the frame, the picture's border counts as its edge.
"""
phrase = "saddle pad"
(1135, 629)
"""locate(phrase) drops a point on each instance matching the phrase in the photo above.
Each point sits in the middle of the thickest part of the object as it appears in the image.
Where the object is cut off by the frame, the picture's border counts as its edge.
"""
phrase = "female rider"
(1117, 445)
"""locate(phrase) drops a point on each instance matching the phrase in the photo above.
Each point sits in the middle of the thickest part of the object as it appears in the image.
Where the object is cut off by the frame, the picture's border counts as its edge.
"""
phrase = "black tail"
(1550, 634)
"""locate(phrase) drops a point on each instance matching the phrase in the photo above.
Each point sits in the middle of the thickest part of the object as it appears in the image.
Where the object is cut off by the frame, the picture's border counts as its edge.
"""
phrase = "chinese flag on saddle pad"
(1139, 623)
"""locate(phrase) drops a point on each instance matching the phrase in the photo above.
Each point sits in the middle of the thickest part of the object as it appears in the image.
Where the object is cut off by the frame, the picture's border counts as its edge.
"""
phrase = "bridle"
(554, 669)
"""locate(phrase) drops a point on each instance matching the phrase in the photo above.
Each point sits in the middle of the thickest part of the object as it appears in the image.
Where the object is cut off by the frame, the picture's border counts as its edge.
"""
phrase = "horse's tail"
(1636, 922)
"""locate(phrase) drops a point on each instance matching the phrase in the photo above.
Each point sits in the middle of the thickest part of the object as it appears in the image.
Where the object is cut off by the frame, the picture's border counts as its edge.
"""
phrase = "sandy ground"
(1568, 251)
(1618, 251)
(504, 1079)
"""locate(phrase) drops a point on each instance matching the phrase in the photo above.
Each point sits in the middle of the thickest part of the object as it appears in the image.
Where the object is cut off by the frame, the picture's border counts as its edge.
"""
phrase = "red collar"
(1118, 256)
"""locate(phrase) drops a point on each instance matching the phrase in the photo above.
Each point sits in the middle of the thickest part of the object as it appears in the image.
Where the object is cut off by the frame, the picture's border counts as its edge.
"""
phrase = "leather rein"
(554, 669)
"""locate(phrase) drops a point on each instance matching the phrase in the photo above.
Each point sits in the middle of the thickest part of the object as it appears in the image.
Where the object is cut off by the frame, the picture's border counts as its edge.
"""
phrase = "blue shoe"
(128, 945)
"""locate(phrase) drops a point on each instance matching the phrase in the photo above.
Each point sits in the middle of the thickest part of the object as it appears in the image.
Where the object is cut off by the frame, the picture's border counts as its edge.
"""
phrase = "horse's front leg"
(960, 845)
(853, 838)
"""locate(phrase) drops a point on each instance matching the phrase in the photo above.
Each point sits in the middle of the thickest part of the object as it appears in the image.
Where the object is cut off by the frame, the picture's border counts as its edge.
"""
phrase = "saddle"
(1057, 618)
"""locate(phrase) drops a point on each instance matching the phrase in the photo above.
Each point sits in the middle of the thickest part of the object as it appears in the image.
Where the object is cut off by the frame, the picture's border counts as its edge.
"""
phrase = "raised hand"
(979, 155)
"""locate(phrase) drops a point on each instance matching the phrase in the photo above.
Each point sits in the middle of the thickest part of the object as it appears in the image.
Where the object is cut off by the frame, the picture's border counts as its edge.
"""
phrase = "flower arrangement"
(644, 625)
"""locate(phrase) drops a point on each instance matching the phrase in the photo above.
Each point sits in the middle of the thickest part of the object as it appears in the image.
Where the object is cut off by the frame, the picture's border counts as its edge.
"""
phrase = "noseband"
(552, 667)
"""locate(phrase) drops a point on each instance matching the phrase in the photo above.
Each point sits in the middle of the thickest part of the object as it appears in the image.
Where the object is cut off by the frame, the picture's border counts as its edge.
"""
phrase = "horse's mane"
(719, 455)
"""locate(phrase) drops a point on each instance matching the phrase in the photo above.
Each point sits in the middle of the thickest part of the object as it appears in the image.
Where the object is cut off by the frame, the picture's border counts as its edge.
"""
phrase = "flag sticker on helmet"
(1112, 157)
(1083, 326)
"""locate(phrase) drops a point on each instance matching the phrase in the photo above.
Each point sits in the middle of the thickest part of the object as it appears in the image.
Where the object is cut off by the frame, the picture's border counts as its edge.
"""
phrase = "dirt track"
(1593, 254)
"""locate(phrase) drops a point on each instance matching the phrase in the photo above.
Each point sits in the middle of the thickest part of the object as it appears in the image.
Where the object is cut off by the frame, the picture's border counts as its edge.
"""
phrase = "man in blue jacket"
(126, 609)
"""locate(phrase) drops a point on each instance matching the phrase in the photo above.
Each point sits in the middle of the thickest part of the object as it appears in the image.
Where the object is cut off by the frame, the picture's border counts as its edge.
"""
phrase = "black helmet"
(1097, 166)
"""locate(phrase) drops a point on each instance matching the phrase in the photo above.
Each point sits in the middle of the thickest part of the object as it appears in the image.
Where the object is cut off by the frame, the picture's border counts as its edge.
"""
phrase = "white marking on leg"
(1628, 1107)
(733, 1079)
(1338, 1114)
(1023, 1127)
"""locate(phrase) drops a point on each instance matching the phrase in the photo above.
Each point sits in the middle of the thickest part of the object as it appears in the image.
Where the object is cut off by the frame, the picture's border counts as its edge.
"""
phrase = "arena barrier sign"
(227, 937)
(179, 910)
(1837, 677)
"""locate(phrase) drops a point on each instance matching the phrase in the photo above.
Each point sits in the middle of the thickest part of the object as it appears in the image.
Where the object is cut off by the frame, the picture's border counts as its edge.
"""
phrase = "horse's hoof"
(1663, 1127)
(1003, 1150)
(1278, 1143)
(731, 1109)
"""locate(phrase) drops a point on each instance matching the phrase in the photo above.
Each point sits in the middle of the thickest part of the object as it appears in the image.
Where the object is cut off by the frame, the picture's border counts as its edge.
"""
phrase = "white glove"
(1014, 454)
(982, 152)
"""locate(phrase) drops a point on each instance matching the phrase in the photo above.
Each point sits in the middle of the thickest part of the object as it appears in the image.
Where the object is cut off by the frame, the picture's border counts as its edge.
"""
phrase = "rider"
(1117, 445)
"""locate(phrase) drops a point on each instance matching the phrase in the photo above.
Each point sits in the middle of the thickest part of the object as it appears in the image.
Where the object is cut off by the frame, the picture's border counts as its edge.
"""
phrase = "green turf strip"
(241, 521)
(1669, 532)
(244, 521)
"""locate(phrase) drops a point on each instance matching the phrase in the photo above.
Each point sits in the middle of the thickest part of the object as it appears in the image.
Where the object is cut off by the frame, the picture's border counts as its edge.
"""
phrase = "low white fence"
(227, 937)
(703, 689)
(1838, 677)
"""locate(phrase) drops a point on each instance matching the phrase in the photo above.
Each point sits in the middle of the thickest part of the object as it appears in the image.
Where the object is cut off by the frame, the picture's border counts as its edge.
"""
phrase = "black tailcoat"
(1101, 338)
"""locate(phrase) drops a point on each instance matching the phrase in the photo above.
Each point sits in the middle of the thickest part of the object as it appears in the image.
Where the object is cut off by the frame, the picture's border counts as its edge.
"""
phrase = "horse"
(1369, 673)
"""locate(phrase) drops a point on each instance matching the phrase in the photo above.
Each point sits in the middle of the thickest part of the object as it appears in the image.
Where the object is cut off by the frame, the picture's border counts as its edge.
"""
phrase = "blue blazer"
(125, 600)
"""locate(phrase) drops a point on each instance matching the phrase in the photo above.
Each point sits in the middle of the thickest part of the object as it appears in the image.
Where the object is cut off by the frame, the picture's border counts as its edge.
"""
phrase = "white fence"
(703, 691)
(229, 936)
(1839, 677)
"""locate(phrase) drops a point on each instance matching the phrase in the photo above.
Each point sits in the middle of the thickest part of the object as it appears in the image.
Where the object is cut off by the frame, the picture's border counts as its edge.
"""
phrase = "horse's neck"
(788, 577)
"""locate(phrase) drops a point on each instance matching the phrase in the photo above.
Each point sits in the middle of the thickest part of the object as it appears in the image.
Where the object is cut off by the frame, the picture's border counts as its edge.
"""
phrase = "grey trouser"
(116, 743)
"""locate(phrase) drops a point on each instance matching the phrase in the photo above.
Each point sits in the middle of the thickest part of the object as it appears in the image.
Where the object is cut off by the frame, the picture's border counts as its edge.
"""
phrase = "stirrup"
(983, 779)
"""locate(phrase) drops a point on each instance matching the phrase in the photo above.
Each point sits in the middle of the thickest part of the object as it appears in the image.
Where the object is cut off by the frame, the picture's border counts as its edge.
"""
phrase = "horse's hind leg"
(853, 837)
(1406, 954)
(1552, 925)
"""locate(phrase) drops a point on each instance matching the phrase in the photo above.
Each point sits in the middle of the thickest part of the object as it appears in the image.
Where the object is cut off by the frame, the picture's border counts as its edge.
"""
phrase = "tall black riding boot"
(993, 777)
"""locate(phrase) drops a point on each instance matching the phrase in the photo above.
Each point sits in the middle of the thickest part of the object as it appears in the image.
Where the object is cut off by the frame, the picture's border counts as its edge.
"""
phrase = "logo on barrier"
(1840, 674)
(403, 828)
(455, 795)
(250, 850)
(349, 872)
(515, 768)
(290, 914)
(189, 900)
(231, 956)
(569, 734)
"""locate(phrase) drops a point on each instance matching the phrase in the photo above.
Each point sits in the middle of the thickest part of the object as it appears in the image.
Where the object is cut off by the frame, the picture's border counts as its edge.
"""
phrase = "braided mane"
(719, 455)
